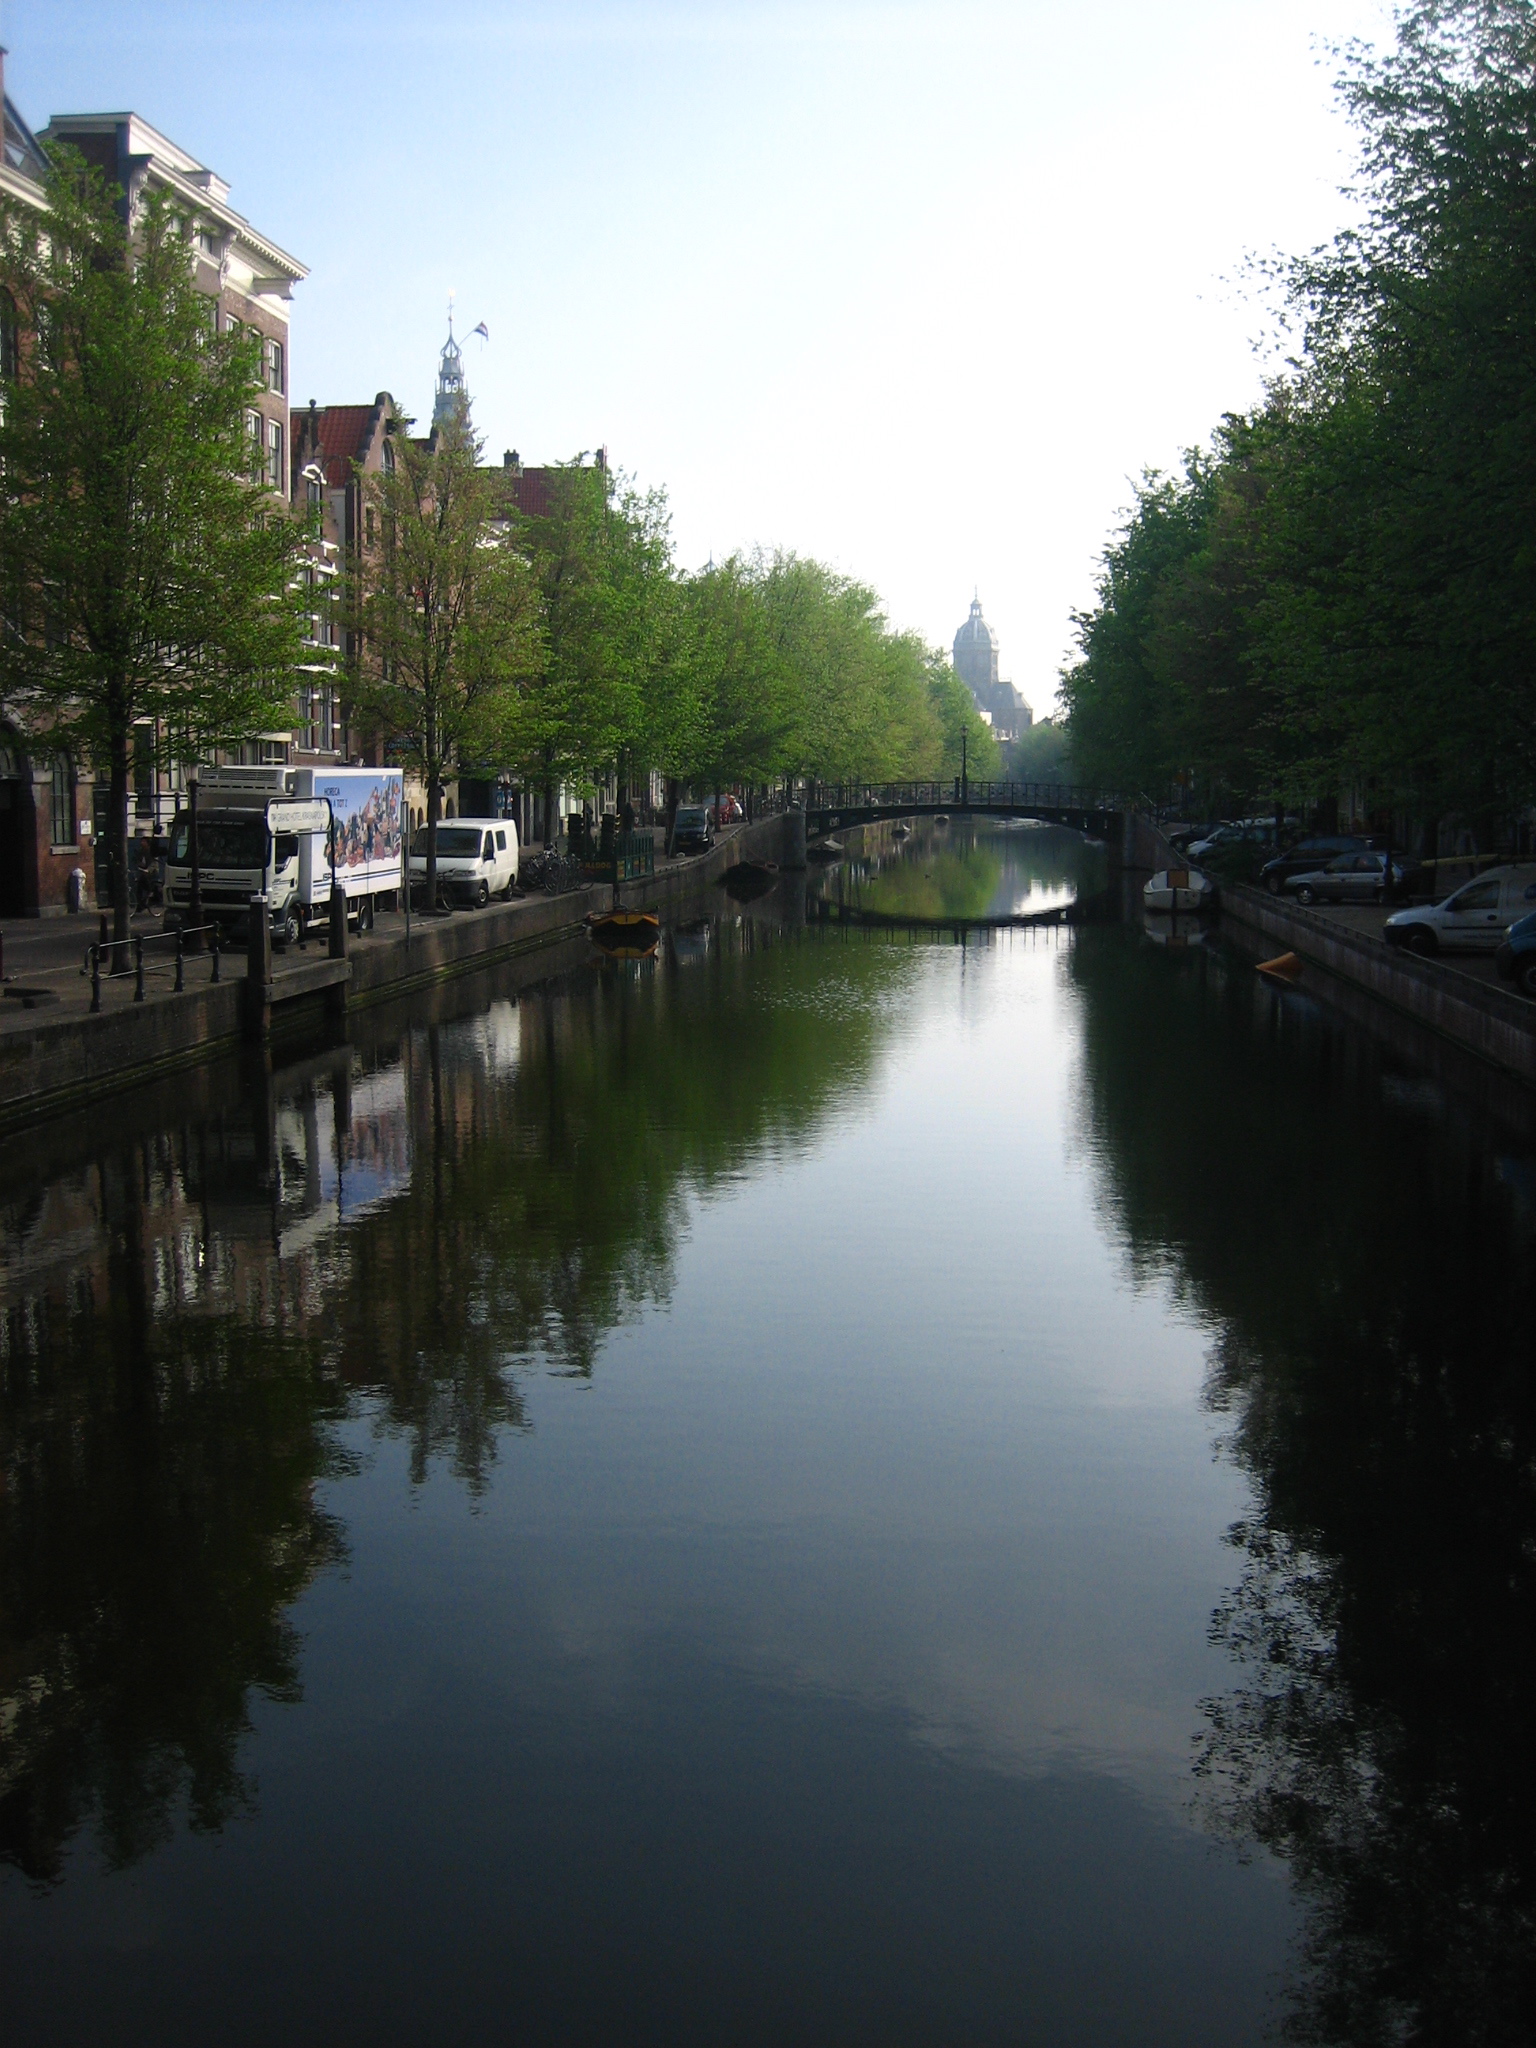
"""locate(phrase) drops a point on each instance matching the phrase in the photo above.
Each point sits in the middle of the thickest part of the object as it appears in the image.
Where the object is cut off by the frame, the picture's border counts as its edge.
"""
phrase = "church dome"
(976, 632)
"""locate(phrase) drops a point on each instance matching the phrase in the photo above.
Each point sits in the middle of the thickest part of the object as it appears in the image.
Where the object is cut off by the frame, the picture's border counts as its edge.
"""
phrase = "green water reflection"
(1364, 1254)
(966, 870)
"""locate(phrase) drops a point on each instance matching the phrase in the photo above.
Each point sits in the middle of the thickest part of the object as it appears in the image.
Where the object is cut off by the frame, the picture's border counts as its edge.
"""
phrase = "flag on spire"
(481, 329)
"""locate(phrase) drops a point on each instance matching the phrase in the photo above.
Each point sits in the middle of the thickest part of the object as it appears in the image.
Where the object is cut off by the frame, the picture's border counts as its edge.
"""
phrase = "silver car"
(1351, 878)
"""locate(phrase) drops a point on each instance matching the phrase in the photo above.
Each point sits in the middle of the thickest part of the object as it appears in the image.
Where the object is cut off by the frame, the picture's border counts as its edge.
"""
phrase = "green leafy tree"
(447, 611)
(146, 574)
(601, 562)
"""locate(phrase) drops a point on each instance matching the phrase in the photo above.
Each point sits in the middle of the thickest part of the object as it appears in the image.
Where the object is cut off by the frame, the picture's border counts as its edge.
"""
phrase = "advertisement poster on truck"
(366, 806)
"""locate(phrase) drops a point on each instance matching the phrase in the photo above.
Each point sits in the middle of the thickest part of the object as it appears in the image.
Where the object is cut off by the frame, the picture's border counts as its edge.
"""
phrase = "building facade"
(976, 664)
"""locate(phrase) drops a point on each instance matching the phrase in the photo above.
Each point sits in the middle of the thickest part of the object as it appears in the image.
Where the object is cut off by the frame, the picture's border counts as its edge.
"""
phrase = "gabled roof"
(344, 433)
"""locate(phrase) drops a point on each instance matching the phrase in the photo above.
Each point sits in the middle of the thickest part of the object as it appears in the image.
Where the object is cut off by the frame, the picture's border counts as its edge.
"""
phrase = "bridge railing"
(1020, 796)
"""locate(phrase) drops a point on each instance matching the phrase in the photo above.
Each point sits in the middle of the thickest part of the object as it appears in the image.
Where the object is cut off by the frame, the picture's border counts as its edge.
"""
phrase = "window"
(1480, 896)
(253, 428)
(368, 527)
(8, 353)
(144, 770)
(313, 483)
(63, 809)
(275, 454)
(274, 355)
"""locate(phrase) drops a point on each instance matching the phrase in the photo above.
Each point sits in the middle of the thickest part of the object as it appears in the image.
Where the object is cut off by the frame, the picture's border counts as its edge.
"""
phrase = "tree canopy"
(1340, 590)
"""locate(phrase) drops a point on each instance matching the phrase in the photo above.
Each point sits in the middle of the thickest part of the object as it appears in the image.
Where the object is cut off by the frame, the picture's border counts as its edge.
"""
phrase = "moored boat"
(827, 850)
(634, 927)
(749, 878)
(1179, 889)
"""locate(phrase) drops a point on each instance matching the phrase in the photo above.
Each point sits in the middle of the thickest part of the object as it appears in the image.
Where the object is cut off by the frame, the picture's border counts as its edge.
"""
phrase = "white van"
(476, 859)
(1473, 920)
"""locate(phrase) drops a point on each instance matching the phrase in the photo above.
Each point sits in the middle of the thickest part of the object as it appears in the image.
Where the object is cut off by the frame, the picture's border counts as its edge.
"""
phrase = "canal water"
(833, 1485)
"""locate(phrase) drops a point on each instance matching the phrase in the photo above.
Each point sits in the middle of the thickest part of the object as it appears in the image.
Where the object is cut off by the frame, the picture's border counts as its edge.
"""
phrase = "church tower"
(976, 656)
(452, 400)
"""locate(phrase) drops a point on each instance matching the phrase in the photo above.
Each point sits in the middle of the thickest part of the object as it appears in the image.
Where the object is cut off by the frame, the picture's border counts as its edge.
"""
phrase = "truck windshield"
(227, 842)
(458, 842)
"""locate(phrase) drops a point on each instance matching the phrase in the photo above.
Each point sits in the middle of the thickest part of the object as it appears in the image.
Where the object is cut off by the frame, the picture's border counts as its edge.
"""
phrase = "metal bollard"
(138, 970)
(214, 946)
(95, 978)
(180, 953)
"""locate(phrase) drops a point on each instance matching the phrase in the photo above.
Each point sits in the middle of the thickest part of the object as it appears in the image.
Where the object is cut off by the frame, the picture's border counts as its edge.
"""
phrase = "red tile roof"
(344, 432)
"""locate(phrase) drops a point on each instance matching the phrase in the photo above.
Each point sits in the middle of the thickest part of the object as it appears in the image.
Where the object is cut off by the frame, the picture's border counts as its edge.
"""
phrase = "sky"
(918, 290)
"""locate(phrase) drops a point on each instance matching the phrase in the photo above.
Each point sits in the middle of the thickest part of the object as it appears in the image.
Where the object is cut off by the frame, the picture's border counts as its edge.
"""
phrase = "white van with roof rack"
(1473, 918)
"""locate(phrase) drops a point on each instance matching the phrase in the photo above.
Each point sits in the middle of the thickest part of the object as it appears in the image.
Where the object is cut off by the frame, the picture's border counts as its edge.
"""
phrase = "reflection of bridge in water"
(1094, 812)
(833, 910)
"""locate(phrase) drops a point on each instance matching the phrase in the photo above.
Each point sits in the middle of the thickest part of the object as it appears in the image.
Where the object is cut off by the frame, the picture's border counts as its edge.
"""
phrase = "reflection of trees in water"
(184, 1324)
(965, 871)
(1372, 1282)
(157, 1519)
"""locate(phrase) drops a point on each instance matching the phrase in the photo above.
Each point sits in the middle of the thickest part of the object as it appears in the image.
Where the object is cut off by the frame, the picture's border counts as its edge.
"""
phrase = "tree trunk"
(117, 842)
(434, 806)
(551, 829)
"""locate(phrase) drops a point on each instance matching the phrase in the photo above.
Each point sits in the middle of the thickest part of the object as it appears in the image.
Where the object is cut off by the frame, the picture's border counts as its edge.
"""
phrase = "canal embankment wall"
(51, 1065)
(1362, 971)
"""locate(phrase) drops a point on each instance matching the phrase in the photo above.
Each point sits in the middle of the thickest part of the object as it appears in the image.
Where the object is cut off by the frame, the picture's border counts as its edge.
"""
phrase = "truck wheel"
(482, 894)
(287, 932)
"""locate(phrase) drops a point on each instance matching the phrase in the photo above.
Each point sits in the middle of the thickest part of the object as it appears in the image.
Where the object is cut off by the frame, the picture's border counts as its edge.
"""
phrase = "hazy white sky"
(916, 289)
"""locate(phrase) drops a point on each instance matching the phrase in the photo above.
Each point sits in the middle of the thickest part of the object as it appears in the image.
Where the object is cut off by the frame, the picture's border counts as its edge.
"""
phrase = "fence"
(178, 938)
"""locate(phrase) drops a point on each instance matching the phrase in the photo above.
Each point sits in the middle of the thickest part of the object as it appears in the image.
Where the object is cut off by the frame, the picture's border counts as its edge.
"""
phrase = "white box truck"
(272, 833)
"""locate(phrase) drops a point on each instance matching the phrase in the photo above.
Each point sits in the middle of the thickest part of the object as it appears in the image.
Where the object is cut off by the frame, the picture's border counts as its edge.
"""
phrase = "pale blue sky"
(912, 288)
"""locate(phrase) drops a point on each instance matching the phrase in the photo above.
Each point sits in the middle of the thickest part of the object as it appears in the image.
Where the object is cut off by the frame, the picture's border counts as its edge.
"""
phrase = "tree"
(601, 562)
(146, 574)
(447, 611)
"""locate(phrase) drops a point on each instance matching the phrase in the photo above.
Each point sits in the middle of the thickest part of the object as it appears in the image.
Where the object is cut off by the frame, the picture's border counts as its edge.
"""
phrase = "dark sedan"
(691, 829)
(1306, 856)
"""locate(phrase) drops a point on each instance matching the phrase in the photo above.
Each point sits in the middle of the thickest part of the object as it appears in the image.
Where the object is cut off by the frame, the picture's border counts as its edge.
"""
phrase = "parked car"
(1348, 878)
(1235, 832)
(691, 830)
(476, 859)
(728, 811)
(1473, 919)
(1516, 957)
(1307, 855)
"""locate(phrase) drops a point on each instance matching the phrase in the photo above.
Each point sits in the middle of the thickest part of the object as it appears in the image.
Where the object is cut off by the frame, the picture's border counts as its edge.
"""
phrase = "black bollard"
(138, 970)
(338, 946)
(180, 955)
(213, 943)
